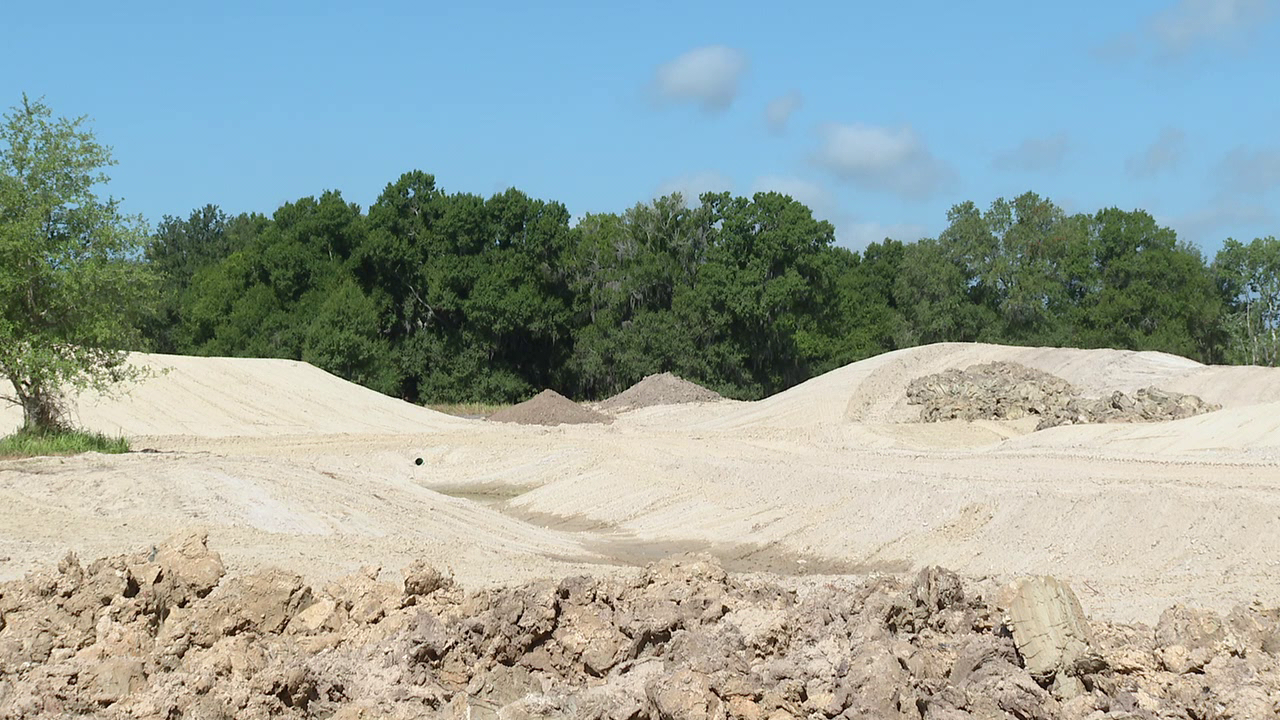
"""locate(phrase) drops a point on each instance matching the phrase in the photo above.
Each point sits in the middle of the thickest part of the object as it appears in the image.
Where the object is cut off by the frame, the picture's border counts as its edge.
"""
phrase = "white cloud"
(706, 76)
(780, 109)
(692, 185)
(1254, 171)
(1160, 157)
(1179, 28)
(894, 160)
(1036, 154)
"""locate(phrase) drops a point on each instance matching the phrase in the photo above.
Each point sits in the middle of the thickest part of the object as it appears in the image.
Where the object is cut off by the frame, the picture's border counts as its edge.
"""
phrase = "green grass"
(467, 409)
(34, 443)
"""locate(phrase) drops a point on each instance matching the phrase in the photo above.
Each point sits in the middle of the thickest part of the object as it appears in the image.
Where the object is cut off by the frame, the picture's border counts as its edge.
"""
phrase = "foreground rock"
(549, 408)
(1009, 391)
(163, 635)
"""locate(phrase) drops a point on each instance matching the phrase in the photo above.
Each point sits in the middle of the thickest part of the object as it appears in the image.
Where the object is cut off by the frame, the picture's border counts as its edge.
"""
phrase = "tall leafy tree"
(1249, 277)
(1146, 289)
(72, 284)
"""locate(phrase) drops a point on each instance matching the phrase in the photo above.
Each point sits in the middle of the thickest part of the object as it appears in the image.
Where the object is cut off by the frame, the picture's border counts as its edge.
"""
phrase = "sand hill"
(223, 397)
(283, 463)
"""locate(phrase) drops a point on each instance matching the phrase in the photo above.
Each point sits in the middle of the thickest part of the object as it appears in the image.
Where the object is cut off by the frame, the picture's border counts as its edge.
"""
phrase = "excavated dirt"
(163, 634)
(549, 408)
(661, 389)
(1009, 391)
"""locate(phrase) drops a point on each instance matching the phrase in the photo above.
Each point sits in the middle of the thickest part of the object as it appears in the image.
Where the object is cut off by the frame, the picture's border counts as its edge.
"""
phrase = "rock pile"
(549, 408)
(661, 389)
(1009, 391)
(162, 634)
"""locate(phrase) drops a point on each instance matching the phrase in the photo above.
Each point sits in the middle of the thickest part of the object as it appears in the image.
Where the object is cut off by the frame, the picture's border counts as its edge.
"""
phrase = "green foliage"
(1248, 278)
(73, 287)
(36, 442)
(455, 298)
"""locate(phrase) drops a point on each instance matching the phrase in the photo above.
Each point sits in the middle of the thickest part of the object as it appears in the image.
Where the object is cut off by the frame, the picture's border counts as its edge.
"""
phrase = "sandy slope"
(287, 464)
(214, 397)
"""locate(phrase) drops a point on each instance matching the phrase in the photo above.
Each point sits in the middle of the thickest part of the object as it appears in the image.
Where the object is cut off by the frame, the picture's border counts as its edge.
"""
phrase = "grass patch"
(27, 443)
(468, 409)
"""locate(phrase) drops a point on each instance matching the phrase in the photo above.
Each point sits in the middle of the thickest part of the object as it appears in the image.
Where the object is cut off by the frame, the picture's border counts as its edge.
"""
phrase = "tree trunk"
(42, 409)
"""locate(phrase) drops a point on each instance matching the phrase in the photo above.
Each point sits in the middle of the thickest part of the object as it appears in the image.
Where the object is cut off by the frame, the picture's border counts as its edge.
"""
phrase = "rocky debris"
(682, 639)
(549, 408)
(1052, 635)
(1009, 391)
(661, 389)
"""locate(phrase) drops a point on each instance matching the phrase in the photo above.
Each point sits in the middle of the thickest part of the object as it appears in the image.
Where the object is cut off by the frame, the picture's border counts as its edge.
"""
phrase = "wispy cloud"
(1249, 170)
(780, 109)
(894, 160)
(859, 234)
(1222, 219)
(851, 231)
(1159, 157)
(813, 195)
(1035, 154)
(692, 185)
(707, 77)
(1189, 23)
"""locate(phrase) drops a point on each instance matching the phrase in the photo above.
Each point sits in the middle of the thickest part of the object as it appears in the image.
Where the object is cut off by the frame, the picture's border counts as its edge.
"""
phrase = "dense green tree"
(764, 302)
(1249, 278)
(1146, 290)
(72, 286)
(454, 297)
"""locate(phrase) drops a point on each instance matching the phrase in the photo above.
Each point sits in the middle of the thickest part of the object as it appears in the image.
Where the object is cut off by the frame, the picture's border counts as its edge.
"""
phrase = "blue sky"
(879, 116)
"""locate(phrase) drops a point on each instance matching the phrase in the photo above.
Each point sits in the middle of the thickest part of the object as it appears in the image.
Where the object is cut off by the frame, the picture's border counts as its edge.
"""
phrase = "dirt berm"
(549, 408)
(660, 389)
(162, 634)
(1009, 391)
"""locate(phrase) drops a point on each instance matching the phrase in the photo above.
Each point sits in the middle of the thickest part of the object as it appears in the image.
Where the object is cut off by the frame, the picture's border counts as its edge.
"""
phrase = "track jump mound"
(661, 389)
(549, 408)
(1010, 391)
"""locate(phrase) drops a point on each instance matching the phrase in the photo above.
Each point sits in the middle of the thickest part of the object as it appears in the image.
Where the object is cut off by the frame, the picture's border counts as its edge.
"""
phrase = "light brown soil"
(292, 468)
(661, 389)
(164, 634)
(549, 408)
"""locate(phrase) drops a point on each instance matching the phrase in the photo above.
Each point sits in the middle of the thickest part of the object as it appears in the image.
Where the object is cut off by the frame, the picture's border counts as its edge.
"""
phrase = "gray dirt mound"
(661, 389)
(1009, 391)
(163, 634)
(549, 408)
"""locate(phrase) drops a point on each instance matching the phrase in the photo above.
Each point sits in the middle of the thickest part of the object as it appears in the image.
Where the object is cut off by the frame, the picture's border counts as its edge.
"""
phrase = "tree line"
(452, 297)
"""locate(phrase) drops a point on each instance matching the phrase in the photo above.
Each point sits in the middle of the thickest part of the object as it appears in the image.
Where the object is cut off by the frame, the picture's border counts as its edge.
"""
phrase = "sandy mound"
(873, 391)
(661, 389)
(549, 408)
(1010, 391)
(164, 633)
(245, 397)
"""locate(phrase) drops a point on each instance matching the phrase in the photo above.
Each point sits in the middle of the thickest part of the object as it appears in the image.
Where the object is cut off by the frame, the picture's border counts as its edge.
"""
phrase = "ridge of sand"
(244, 397)
(263, 454)
(549, 408)
(659, 389)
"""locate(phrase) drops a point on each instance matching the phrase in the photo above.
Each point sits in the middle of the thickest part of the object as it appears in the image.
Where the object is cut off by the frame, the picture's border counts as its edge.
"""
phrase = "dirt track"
(830, 482)
(824, 476)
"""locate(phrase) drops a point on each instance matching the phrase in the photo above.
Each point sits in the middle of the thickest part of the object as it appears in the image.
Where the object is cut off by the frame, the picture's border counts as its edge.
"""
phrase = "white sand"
(289, 465)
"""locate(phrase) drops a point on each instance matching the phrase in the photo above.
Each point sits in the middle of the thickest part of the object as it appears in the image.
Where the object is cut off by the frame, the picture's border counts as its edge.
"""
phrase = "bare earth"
(285, 465)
